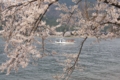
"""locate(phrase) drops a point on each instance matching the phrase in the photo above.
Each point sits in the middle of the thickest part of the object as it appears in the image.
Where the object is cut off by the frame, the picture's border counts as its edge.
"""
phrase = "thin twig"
(71, 69)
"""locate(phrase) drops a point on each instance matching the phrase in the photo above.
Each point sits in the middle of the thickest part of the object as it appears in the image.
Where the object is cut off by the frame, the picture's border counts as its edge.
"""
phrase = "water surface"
(101, 61)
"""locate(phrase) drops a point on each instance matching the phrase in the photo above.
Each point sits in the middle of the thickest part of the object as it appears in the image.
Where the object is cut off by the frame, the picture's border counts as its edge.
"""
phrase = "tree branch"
(114, 23)
(40, 18)
(20, 4)
(113, 4)
(71, 69)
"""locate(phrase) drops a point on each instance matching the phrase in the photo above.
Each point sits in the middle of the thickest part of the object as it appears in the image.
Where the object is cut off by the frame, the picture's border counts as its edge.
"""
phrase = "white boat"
(65, 41)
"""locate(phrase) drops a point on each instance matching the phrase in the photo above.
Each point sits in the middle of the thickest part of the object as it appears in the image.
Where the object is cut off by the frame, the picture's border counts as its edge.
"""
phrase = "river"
(100, 61)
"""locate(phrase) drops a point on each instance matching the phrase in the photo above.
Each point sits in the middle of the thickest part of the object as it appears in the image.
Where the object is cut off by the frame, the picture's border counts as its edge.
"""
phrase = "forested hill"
(53, 14)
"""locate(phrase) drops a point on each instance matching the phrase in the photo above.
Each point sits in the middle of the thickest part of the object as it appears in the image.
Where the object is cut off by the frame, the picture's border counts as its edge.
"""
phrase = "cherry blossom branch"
(111, 3)
(20, 4)
(71, 13)
(70, 70)
(80, 50)
(40, 18)
(78, 1)
(114, 23)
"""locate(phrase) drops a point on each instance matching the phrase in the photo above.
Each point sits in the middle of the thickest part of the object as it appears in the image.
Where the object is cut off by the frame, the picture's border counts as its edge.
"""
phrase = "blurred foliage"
(0, 27)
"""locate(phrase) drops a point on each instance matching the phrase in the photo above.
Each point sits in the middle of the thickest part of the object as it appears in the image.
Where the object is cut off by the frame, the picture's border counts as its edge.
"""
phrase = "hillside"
(53, 14)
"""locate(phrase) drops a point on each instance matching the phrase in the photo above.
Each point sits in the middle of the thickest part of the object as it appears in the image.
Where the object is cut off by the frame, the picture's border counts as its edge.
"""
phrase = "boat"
(65, 41)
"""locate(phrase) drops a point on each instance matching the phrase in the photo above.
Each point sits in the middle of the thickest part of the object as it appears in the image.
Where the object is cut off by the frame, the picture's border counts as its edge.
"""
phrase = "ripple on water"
(99, 61)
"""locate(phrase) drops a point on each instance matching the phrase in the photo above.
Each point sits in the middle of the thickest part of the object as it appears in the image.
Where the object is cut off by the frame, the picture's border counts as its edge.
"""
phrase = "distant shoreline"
(70, 37)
